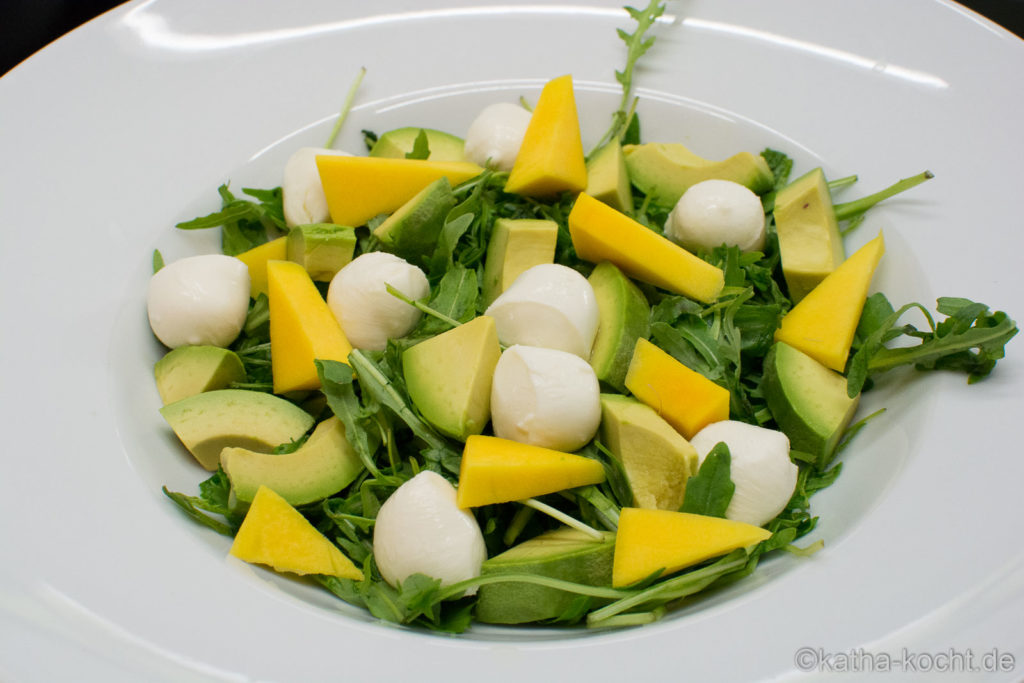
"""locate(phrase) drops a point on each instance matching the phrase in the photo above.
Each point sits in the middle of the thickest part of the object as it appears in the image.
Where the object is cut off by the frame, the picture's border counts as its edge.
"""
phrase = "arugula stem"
(345, 108)
(458, 588)
(631, 619)
(848, 210)
(672, 589)
(607, 511)
(515, 527)
(840, 183)
(563, 518)
(422, 306)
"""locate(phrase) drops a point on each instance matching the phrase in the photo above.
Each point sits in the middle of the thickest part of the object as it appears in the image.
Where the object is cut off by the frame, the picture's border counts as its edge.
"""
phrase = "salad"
(496, 379)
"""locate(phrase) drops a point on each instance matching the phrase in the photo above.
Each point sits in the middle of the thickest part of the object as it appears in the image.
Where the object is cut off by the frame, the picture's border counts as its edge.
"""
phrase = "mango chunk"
(551, 158)
(256, 259)
(822, 325)
(648, 540)
(600, 233)
(302, 328)
(276, 534)
(359, 188)
(687, 400)
(499, 471)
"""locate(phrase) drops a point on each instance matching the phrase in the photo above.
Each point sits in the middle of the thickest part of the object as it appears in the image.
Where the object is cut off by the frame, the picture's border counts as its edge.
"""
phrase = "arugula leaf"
(969, 340)
(369, 139)
(420, 147)
(244, 223)
(336, 381)
(710, 491)
(781, 165)
(158, 261)
(636, 45)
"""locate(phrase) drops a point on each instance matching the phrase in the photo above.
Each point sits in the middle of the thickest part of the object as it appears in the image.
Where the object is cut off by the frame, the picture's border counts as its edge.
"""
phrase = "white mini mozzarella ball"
(368, 314)
(548, 305)
(764, 476)
(494, 137)
(420, 530)
(545, 397)
(716, 212)
(302, 191)
(199, 300)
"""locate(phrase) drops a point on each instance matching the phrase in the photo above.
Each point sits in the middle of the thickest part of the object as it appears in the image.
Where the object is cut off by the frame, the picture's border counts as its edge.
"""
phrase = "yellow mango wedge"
(550, 160)
(359, 188)
(686, 399)
(276, 534)
(499, 471)
(648, 540)
(302, 328)
(600, 233)
(822, 325)
(256, 259)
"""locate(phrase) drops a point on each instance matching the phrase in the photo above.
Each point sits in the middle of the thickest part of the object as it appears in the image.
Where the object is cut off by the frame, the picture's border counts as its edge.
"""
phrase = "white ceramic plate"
(127, 126)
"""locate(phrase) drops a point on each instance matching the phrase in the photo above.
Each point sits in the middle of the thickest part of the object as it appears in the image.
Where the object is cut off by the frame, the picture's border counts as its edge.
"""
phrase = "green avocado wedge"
(810, 245)
(624, 318)
(412, 231)
(395, 144)
(807, 400)
(515, 246)
(211, 421)
(664, 171)
(449, 377)
(566, 554)
(608, 178)
(321, 248)
(190, 370)
(322, 466)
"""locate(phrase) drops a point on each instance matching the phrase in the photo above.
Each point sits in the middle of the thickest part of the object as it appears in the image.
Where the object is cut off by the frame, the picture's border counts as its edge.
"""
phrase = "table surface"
(28, 25)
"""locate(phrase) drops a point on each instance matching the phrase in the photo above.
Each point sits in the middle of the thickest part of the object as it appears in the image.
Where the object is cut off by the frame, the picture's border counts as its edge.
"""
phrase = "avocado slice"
(564, 553)
(625, 317)
(657, 459)
(322, 466)
(516, 245)
(608, 179)
(395, 144)
(808, 401)
(412, 231)
(189, 370)
(810, 245)
(664, 171)
(321, 248)
(449, 377)
(209, 422)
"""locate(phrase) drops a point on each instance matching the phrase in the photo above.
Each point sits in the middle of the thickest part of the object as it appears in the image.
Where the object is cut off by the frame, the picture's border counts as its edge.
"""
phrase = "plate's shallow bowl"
(103, 579)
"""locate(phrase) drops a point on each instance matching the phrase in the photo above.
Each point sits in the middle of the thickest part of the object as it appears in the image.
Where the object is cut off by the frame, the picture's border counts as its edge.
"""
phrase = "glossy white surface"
(127, 126)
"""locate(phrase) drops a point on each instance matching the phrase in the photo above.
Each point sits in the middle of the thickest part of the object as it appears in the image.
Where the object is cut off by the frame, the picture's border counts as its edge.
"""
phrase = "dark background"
(28, 25)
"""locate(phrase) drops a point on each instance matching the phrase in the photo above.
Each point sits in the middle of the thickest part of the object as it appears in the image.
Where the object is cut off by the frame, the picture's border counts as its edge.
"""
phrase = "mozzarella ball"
(761, 469)
(302, 192)
(199, 300)
(494, 137)
(420, 530)
(545, 397)
(368, 314)
(549, 305)
(716, 212)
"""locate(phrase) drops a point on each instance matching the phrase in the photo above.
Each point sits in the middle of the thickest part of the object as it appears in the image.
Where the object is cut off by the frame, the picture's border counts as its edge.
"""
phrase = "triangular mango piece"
(684, 398)
(359, 188)
(600, 233)
(276, 534)
(822, 325)
(256, 259)
(648, 540)
(550, 160)
(498, 470)
(302, 328)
